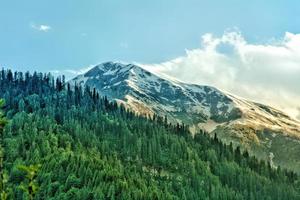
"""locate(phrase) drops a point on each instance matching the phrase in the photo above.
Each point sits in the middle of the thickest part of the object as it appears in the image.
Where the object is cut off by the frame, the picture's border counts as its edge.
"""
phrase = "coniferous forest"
(60, 142)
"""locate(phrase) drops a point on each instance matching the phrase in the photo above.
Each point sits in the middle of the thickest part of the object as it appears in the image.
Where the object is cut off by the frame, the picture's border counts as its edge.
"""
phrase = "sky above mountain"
(247, 48)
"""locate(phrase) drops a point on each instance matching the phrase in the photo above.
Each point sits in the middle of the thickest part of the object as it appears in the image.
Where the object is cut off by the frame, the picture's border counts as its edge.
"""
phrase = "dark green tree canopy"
(91, 148)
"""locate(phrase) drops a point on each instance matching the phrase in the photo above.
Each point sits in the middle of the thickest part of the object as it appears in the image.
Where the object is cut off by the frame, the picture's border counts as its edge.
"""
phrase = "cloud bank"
(268, 73)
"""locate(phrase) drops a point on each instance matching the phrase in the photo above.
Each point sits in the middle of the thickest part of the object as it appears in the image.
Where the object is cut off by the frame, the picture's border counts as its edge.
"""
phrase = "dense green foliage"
(3, 177)
(89, 148)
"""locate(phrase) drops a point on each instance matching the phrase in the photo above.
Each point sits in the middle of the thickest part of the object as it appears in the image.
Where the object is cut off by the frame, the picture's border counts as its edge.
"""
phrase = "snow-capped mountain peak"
(148, 93)
(155, 94)
(260, 128)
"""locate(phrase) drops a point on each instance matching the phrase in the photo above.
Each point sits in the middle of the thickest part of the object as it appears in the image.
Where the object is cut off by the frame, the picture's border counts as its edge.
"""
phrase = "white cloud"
(268, 73)
(71, 73)
(41, 27)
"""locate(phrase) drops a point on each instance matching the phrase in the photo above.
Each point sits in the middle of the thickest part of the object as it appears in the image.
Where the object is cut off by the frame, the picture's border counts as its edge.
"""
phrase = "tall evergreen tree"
(2, 177)
(92, 148)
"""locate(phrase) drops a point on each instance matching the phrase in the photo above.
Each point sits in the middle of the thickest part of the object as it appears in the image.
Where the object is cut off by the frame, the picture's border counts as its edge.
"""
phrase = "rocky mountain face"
(266, 132)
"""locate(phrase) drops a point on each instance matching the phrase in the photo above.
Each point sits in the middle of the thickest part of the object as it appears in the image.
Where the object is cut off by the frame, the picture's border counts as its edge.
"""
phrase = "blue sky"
(63, 34)
(248, 48)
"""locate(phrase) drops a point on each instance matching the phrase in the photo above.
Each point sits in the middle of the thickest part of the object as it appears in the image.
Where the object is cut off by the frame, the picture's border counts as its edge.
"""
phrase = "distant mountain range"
(266, 132)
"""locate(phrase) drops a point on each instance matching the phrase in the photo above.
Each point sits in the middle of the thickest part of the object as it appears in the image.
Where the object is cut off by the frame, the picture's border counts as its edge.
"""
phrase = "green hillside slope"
(90, 148)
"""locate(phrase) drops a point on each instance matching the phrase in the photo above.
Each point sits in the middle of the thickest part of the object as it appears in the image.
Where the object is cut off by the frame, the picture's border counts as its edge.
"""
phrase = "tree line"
(80, 145)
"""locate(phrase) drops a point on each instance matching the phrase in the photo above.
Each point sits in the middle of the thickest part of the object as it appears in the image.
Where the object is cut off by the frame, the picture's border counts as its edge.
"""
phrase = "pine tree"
(92, 148)
(29, 185)
(3, 179)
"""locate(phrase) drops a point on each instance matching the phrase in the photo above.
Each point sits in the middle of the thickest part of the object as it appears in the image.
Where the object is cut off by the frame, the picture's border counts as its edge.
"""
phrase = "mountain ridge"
(137, 81)
(134, 77)
(232, 118)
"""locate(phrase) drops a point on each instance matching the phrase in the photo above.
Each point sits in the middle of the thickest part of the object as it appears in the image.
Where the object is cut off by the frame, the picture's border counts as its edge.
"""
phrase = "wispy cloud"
(40, 27)
(71, 73)
(268, 72)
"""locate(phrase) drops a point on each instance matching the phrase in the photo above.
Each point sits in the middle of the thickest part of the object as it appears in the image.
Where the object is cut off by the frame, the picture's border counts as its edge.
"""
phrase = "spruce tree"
(3, 121)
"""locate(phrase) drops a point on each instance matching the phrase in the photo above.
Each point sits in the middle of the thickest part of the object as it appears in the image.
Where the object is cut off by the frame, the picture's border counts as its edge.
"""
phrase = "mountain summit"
(147, 93)
(263, 130)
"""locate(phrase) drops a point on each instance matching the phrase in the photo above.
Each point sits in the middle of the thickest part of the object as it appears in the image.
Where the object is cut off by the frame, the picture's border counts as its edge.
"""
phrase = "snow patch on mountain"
(149, 93)
(259, 128)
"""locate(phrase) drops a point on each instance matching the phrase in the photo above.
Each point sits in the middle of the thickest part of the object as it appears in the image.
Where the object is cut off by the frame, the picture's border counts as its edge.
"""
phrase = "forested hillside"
(90, 148)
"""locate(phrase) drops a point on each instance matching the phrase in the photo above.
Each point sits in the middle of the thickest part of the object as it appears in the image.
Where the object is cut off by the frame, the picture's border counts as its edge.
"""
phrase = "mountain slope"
(261, 129)
(148, 93)
(91, 149)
